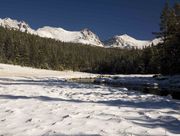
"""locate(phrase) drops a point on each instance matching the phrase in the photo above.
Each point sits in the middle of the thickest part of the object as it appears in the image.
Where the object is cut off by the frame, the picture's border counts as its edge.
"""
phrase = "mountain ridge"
(126, 41)
(84, 36)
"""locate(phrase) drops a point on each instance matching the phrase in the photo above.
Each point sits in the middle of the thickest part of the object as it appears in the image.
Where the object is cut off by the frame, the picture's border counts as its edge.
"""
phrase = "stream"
(171, 92)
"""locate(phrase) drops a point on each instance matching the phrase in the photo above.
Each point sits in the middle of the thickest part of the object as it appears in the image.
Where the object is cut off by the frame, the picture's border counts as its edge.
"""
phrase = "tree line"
(30, 50)
(170, 32)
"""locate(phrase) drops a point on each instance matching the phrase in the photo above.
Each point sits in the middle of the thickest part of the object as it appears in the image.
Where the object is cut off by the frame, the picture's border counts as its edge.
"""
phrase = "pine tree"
(164, 24)
(177, 15)
(170, 30)
(170, 22)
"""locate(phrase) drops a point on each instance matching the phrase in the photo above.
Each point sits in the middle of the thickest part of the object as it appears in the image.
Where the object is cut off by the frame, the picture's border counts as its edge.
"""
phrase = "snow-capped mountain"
(126, 41)
(155, 41)
(14, 24)
(84, 36)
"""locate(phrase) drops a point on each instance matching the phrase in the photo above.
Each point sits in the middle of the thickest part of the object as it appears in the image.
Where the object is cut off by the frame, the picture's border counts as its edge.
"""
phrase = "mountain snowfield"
(36, 102)
(84, 36)
(14, 24)
(126, 41)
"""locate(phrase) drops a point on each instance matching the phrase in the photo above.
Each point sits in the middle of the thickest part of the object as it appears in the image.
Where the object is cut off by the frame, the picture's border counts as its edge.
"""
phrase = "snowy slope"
(44, 104)
(14, 24)
(85, 36)
(126, 41)
(155, 41)
(7, 70)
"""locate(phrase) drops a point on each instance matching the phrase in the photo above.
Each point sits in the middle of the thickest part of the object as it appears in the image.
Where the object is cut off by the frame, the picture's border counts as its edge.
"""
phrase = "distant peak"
(85, 36)
(125, 35)
(7, 18)
(14, 21)
(50, 28)
(16, 25)
(87, 31)
(23, 22)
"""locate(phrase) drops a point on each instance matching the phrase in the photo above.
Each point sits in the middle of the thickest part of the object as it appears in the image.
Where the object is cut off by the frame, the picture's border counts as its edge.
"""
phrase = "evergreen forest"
(30, 50)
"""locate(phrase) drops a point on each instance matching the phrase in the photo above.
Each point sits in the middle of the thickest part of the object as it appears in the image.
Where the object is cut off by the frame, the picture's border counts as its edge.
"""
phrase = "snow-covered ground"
(41, 103)
(18, 71)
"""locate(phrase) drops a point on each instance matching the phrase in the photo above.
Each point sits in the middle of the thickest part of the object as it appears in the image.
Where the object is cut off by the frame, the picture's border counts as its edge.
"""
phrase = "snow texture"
(126, 41)
(85, 36)
(37, 102)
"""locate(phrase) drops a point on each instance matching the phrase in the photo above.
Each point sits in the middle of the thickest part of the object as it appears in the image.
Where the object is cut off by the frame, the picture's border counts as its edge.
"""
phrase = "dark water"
(162, 91)
(175, 94)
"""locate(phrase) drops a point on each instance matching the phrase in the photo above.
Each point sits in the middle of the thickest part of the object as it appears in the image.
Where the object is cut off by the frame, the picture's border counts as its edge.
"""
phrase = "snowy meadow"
(33, 104)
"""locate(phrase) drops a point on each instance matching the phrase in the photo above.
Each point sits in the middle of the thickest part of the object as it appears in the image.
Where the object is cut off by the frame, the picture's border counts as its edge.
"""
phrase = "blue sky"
(138, 18)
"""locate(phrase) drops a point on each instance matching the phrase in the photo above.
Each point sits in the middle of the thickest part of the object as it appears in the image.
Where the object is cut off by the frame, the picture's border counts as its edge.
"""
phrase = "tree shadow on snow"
(168, 122)
(49, 82)
(41, 98)
(59, 134)
(59, 83)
